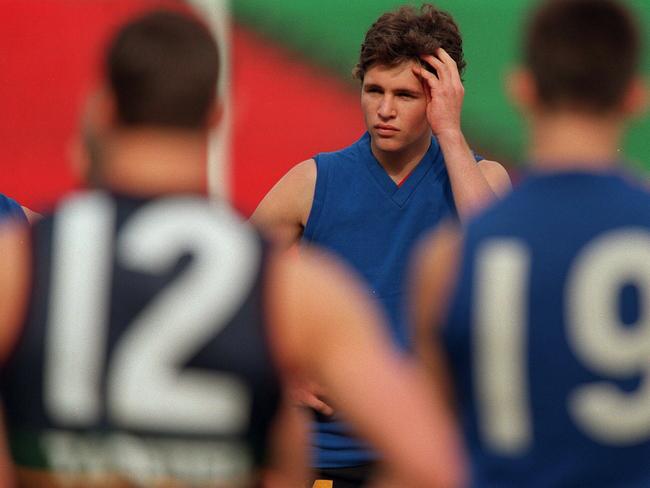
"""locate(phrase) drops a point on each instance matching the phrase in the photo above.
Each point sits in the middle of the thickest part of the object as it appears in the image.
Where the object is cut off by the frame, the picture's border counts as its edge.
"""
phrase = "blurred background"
(287, 78)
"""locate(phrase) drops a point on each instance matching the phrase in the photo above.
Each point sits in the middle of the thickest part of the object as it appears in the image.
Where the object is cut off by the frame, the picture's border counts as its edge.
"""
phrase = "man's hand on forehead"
(444, 91)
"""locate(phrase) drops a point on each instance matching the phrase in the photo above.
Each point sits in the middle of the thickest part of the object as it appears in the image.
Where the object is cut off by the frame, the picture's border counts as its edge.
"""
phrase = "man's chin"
(387, 144)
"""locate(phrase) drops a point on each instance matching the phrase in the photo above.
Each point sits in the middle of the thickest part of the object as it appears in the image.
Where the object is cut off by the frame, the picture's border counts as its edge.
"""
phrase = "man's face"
(394, 107)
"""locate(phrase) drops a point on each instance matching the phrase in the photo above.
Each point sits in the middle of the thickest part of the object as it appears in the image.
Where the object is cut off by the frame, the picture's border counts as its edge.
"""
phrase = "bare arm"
(284, 211)
(288, 467)
(329, 330)
(474, 186)
(14, 283)
(434, 270)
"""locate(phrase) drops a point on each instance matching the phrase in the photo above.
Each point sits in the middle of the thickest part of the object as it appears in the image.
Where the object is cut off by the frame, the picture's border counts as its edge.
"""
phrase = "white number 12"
(145, 385)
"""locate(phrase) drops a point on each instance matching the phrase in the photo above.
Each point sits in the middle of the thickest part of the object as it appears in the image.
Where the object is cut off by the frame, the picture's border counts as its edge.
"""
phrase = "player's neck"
(399, 164)
(573, 141)
(152, 162)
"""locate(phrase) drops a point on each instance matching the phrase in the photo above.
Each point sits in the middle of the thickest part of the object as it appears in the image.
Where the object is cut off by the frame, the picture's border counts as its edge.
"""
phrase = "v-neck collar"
(398, 193)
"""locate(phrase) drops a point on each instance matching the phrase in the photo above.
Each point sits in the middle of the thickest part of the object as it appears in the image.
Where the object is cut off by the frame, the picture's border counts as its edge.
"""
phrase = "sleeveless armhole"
(319, 199)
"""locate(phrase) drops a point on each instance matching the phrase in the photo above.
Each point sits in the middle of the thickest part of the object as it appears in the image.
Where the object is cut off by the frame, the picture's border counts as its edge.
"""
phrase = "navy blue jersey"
(10, 208)
(548, 335)
(144, 353)
(361, 215)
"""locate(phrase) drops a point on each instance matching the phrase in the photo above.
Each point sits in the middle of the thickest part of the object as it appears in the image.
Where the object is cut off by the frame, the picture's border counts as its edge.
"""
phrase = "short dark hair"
(163, 69)
(407, 33)
(583, 53)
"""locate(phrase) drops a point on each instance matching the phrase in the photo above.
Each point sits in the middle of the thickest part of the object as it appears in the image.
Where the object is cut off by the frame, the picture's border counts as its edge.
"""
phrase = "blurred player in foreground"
(370, 202)
(545, 297)
(158, 326)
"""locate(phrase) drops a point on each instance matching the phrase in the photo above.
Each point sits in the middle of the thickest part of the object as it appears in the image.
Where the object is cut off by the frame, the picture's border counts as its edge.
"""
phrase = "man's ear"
(215, 116)
(635, 101)
(98, 118)
(522, 90)
(103, 109)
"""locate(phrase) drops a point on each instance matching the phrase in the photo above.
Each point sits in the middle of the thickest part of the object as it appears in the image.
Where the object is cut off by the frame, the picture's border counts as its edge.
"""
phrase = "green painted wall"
(329, 32)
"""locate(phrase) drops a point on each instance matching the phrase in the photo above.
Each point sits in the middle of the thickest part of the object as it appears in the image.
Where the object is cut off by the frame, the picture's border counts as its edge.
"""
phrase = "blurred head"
(392, 98)
(162, 70)
(405, 34)
(581, 55)
(161, 73)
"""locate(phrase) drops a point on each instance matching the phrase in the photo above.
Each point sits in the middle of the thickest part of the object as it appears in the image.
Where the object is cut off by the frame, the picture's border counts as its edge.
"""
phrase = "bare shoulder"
(303, 172)
(286, 207)
(294, 188)
(496, 176)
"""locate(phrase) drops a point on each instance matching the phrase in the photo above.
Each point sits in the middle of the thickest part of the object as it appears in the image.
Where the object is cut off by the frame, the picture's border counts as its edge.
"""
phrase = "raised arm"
(328, 330)
(284, 211)
(474, 185)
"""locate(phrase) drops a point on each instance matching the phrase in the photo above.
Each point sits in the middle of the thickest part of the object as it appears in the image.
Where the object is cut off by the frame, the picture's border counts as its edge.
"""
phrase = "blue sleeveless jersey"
(9, 208)
(371, 223)
(548, 335)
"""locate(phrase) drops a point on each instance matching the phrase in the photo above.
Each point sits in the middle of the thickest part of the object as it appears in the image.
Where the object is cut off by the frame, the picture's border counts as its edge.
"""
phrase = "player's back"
(548, 334)
(144, 357)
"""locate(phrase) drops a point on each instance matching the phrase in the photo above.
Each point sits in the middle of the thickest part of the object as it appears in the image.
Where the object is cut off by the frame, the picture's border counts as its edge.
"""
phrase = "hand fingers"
(428, 79)
(426, 88)
(319, 405)
(450, 63)
(442, 71)
(308, 398)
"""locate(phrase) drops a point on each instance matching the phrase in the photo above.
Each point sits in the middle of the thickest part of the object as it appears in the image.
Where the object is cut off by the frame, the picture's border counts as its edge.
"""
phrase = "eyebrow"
(406, 91)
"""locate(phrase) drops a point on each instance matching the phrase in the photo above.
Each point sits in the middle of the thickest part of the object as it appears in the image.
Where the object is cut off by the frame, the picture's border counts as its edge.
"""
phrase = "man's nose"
(386, 109)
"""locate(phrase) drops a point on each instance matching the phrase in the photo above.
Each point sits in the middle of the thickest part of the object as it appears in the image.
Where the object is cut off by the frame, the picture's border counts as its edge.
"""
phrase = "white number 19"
(594, 331)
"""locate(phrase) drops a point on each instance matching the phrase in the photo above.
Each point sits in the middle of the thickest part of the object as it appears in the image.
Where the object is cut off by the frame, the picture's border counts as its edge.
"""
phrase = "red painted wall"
(284, 111)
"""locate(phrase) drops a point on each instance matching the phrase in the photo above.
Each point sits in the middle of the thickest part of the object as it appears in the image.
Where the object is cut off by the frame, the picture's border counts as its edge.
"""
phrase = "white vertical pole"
(217, 15)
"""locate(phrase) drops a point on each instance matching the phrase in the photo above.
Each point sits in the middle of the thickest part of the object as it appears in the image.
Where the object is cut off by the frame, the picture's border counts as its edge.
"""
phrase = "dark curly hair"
(407, 33)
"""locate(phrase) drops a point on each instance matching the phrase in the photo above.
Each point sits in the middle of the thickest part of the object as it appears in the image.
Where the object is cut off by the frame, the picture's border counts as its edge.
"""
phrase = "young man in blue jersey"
(370, 202)
(145, 331)
(542, 302)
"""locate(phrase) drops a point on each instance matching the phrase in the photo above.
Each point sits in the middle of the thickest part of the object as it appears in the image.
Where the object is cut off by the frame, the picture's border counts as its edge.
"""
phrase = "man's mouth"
(385, 129)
